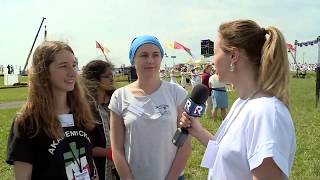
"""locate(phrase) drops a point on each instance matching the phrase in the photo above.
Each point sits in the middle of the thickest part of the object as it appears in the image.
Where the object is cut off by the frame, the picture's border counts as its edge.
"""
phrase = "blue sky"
(115, 23)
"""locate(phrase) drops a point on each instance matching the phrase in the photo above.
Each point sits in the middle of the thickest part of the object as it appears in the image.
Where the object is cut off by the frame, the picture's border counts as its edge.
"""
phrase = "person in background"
(98, 78)
(257, 138)
(49, 136)
(195, 77)
(144, 119)
(205, 81)
(162, 74)
(2, 69)
(184, 75)
(12, 70)
(219, 97)
(9, 69)
(173, 76)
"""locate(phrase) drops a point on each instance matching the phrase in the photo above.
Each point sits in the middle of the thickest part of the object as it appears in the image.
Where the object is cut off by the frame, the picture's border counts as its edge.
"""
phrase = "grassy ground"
(6, 119)
(13, 94)
(306, 119)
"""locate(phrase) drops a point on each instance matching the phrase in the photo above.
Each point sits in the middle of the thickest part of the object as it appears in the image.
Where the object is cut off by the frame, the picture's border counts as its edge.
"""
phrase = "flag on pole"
(291, 47)
(103, 49)
(169, 45)
(180, 46)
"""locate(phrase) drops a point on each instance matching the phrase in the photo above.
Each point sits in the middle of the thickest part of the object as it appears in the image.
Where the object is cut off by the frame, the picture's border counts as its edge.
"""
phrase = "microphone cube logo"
(193, 109)
(198, 110)
(188, 105)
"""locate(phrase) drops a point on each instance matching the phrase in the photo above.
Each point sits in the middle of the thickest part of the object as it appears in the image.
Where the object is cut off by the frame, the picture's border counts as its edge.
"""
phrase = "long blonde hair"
(38, 115)
(267, 53)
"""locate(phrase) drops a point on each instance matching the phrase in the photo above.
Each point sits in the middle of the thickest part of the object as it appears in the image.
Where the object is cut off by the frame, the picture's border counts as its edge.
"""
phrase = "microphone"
(195, 106)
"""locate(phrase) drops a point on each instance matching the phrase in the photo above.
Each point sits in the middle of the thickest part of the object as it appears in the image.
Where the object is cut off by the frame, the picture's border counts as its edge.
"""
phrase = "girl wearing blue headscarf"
(144, 116)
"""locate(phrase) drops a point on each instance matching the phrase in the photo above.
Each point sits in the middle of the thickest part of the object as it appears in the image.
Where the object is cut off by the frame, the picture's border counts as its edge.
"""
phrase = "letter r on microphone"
(198, 110)
(187, 105)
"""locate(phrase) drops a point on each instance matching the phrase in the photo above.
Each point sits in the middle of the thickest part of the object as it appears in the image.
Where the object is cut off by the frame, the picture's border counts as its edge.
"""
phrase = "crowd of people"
(82, 127)
(204, 74)
(9, 69)
(303, 66)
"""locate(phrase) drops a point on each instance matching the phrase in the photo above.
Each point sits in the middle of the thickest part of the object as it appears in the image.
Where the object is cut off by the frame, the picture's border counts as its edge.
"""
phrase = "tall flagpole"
(105, 56)
(318, 40)
(34, 41)
(318, 74)
(98, 45)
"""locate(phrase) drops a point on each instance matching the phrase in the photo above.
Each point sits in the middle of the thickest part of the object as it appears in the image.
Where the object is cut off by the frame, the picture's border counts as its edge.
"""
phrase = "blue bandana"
(141, 40)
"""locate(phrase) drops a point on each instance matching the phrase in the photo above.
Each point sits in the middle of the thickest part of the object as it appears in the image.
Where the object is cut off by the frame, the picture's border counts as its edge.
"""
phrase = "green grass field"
(306, 119)
(6, 116)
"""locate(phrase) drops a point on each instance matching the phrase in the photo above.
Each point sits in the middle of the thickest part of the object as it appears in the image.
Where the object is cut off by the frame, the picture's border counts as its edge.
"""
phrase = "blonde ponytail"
(274, 67)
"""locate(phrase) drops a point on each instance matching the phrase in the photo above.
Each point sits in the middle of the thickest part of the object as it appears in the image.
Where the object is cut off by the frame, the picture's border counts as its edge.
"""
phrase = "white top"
(173, 76)
(262, 129)
(148, 147)
(195, 79)
(184, 78)
(214, 82)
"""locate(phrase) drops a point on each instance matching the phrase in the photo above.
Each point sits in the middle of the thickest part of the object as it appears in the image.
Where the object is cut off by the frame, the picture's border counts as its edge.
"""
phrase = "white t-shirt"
(173, 77)
(214, 82)
(262, 129)
(148, 147)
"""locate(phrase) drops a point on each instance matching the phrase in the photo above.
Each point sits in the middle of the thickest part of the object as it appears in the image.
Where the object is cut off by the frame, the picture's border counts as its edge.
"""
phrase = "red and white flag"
(103, 49)
(180, 46)
(291, 47)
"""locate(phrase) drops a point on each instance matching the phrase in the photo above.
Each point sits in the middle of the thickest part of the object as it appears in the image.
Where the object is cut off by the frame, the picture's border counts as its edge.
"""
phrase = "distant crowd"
(303, 66)
(10, 69)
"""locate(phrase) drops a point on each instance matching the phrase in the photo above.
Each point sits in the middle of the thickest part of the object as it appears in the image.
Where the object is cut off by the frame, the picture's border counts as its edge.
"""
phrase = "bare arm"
(99, 152)
(195, 128)
(268, 170)
(203, 136)
(182, 155)
(117, 135)
(22, 170)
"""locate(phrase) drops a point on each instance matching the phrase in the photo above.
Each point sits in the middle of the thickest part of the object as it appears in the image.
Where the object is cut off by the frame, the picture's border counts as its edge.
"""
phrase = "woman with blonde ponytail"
(257, 138)
(49, 137)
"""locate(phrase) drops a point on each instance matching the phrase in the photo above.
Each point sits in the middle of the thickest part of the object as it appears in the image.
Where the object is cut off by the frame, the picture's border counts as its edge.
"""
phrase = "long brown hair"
(38, 115)
(91, 76)
(266, 50)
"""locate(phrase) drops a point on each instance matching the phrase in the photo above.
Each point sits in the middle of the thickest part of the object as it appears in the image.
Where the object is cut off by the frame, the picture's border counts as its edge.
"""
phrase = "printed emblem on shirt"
(67, 134)
(75, 160)
(162, 109)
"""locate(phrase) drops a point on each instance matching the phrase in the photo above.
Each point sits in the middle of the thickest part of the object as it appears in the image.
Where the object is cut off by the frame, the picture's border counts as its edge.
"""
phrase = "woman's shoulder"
(270, 107)
(173, 88)
(267, 101)
(25, 126)
(121, 90)
(166, 84)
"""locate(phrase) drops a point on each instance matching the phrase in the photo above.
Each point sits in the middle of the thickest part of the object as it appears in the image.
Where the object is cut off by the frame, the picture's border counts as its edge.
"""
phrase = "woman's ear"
(235, 55)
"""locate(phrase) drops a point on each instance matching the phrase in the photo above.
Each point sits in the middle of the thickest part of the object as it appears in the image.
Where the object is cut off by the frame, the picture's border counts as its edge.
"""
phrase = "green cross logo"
(77, 152)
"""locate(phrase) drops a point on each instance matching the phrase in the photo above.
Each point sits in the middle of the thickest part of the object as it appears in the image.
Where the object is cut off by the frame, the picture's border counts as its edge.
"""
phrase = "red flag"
(99, 46)
(180, 46)
(291, 47)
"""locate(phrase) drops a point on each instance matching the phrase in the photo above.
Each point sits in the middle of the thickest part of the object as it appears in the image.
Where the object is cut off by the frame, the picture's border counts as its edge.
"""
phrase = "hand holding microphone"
(194, 107)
